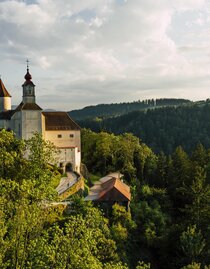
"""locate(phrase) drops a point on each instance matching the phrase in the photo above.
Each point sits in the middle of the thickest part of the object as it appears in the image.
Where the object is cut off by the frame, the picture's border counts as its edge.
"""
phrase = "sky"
(88, 52)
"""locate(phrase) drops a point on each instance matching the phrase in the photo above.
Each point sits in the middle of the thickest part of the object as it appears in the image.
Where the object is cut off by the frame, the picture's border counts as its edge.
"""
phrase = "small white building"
(28, 118)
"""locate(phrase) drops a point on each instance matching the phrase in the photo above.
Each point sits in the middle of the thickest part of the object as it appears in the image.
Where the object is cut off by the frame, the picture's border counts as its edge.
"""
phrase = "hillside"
(167, 225)
(108, 110)
(162, 129)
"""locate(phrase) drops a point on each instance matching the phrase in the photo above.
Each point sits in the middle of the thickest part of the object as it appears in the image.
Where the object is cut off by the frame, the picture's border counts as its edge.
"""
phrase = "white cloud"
(106, 50)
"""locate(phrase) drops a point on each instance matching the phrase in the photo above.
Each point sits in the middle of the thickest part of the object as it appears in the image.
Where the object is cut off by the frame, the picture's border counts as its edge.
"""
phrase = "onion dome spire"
(28, 88)
(28, 76)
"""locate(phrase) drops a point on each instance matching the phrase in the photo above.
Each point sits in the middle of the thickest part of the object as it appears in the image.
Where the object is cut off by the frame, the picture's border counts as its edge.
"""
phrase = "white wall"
(16, 124)
(68, 146)
(65, 140)
(31, 123)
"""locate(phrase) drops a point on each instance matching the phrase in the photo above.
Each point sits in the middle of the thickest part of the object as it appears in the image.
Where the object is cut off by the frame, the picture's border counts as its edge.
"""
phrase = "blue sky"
(102, 51)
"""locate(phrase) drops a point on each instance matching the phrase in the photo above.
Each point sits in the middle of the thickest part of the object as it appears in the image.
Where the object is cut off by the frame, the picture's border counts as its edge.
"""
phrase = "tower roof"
(3, 90)
(27, 106)
(28, 76)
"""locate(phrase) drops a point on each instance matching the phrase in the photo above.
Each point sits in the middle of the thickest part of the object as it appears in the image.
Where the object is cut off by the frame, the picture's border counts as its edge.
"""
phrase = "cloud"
(94, 51)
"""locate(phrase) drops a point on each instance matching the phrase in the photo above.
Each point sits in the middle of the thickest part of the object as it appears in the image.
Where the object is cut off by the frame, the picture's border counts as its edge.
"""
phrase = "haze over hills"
(176, 122)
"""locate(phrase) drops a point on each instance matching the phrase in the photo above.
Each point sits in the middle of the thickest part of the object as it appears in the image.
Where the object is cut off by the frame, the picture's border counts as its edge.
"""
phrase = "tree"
(193, 265)
(76, 242)
(199, 155)
(24, 185)
(179, 175)
(40, 152)
(11, 155)
(197, 208)
(121, 227)
(142, 265)
(192, 243)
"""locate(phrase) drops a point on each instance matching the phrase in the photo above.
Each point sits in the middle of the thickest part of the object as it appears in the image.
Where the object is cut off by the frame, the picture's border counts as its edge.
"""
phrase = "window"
(59, 135)
(71, 135)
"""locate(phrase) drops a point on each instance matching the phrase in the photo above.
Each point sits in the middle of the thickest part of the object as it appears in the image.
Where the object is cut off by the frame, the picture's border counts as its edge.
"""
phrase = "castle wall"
(16, 124)
(64, 138)
(31, 123)
(67, 156)
(4, 124)
(68, 144)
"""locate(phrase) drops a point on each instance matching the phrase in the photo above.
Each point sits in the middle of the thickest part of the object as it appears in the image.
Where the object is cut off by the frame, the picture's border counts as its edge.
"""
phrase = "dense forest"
(162, 129)
(170, 208)
(167, 225)
(108, 110)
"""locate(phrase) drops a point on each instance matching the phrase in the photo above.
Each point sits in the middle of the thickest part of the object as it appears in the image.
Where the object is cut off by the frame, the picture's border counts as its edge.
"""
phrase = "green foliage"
(24, 185)
(193, 265)
(192, 243)
(103, 153)
(92, 178)
(112, 265)
(78, 242)
(198, 195)
(142, 265)
(40, 152)
(11, 151)
(121, 215)
(167, 225)
(36, 234)
(170, 194)
(121, 226)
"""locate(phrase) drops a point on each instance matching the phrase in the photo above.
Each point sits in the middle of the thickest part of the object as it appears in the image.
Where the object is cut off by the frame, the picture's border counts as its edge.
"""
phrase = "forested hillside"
(167, 225)
(170, 207)
(107, 110)
(162, 129)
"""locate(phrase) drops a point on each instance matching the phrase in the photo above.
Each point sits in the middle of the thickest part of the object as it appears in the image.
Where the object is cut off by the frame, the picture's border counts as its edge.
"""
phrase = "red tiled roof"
(3, 90)
(114, 190)
(59, 121)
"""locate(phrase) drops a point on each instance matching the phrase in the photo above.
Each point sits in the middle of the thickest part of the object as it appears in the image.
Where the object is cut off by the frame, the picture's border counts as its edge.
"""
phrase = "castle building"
(28, 118)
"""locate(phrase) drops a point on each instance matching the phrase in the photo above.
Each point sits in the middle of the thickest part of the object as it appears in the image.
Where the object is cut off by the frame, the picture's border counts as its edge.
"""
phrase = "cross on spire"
(27, 61)
(28, 76)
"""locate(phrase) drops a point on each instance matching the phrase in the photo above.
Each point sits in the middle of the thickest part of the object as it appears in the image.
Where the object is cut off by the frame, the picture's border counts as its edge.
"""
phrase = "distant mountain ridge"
(118, 109)
(162, 129)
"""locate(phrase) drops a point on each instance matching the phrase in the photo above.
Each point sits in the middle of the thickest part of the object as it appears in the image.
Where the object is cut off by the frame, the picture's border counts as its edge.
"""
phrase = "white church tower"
(28, 115)
(28, 88)
(56, 126)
